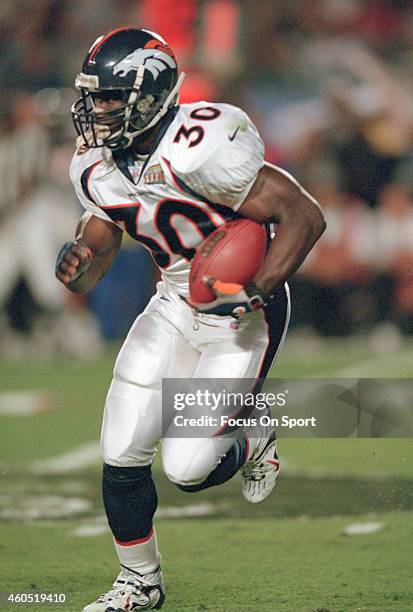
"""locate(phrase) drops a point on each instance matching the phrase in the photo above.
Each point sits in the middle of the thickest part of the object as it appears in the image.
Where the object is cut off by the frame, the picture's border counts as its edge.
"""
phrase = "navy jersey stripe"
(84, 180)
(277, 316)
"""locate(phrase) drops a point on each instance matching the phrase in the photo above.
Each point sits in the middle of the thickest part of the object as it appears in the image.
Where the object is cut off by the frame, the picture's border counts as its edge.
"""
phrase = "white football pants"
(170, 340)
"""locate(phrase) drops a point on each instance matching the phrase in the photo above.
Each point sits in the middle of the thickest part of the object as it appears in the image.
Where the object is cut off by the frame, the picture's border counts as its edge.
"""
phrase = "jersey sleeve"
(78, 167)
(225, 166)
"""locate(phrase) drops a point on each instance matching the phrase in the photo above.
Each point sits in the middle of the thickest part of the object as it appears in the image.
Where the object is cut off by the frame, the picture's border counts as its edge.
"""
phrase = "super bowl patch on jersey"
(154, 175)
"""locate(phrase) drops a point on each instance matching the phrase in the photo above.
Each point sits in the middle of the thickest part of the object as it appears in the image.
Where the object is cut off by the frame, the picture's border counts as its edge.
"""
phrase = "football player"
(169, 175)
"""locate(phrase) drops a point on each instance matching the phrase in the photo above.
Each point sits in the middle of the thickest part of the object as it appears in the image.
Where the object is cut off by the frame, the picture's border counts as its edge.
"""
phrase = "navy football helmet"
(138, 69)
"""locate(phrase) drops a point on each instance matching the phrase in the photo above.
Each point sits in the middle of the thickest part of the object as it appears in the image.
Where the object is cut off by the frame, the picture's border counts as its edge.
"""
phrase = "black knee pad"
(119, 475)
(130, 500)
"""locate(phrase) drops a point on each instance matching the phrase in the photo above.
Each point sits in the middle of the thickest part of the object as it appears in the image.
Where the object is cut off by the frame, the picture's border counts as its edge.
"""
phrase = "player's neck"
(144, 144)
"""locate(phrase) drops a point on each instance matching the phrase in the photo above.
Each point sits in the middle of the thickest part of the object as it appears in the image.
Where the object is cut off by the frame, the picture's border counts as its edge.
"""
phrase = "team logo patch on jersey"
(154, 175)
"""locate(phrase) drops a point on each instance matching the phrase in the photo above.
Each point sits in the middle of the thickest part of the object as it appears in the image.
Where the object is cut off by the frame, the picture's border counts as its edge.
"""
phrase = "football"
(232, 253)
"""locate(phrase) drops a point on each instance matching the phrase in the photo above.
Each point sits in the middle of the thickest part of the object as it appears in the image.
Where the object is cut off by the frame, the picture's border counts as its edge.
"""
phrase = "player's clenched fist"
(73, 259)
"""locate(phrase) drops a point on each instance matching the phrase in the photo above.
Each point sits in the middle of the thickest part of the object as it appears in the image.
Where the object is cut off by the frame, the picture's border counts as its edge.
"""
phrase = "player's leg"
(131, 430)
(261, 468)
(198, 463)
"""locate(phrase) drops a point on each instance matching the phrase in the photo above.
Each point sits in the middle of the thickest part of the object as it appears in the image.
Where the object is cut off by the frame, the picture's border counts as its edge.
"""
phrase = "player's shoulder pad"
(81, 161)
(87, 167)
(204, 130)
(216, 150)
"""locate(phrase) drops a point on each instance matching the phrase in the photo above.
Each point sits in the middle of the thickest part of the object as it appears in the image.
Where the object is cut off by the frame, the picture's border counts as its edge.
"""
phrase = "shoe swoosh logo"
(270, 440)
(232, 136)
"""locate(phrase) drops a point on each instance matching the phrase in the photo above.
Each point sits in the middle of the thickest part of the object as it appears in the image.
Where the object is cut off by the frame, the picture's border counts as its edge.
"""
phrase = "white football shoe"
(130, 592)
(259, 474)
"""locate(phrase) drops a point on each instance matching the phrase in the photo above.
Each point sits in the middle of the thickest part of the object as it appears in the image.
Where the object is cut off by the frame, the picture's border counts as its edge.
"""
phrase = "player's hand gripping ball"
(73, 259)
(222, 270)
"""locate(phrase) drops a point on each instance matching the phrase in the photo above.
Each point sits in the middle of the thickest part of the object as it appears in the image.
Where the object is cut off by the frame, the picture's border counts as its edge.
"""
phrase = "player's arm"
(274, 197)
(82, 263)
(232, 171)
(277, 197)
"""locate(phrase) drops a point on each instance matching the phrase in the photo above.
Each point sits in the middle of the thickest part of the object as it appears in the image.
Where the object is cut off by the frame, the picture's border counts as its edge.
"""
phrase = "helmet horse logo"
(153, 59)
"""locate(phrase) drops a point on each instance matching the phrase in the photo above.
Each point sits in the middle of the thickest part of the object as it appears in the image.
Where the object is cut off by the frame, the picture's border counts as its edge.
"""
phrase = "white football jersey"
(201, 169)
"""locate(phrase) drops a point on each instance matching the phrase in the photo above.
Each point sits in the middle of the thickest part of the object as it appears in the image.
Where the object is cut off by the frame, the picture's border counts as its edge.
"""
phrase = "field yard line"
(22, 403)
(363, 528)
(99, 524)
(361, 368)
(81, 457)
(318, 472)
(35, 507)
(366, 522)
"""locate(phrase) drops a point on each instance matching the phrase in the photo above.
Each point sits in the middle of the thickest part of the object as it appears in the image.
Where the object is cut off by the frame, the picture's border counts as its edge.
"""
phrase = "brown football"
(232, 253)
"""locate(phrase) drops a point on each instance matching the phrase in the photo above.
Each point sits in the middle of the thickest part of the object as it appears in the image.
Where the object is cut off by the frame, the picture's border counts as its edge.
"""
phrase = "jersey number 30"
(195, 134)
(167, 208)
(128, 216)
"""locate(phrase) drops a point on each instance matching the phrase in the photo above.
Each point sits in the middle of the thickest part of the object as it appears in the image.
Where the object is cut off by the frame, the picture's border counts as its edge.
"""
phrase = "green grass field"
(289, 554)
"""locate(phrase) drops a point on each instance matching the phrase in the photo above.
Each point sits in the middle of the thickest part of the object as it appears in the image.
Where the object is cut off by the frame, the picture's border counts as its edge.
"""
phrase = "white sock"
(141, 555)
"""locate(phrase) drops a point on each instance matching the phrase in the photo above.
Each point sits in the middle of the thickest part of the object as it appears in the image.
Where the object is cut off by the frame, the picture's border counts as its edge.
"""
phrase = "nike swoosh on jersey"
(231, 138)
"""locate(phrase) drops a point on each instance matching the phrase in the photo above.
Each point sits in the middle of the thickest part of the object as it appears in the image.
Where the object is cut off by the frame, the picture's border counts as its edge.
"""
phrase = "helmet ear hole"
(143, 111)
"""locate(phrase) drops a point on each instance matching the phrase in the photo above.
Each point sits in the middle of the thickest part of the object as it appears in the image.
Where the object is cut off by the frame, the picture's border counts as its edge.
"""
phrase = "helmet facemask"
(116, 128)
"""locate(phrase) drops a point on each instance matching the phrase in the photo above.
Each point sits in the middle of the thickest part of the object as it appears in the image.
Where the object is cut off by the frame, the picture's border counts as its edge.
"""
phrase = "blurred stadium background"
(330, 86)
